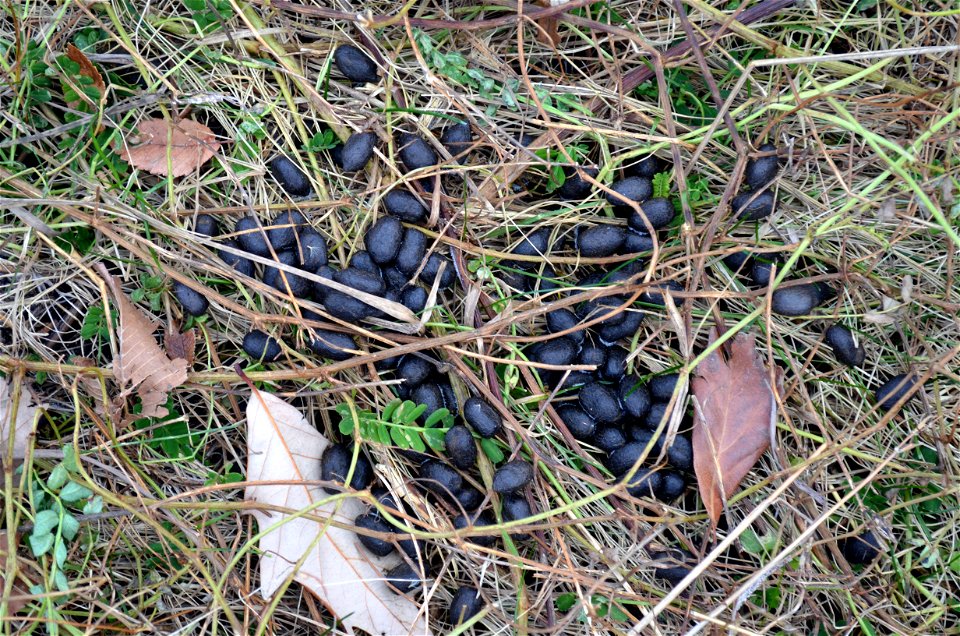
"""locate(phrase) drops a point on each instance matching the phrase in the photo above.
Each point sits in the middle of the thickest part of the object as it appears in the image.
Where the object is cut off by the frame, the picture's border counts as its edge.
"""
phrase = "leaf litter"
(142, 364)
(189, 144)
(734, 406)
(21, 423)
(284, 467)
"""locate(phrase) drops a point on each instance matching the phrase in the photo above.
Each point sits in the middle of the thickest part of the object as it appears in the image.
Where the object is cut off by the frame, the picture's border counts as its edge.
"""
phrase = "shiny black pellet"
(659, 212)
(749, 206)
(260, 346)
(405, 206)
(333, 344)
(383, 240)
(600, 240)
(460, 447)
(845, 347)
(357, 150)
(482, 417)
(631, 189)
(192, 301)
(894, 389)
(412, 249)
(512, 476)
(355, 65)
(415, 152)
(290, 177)
(373, 522)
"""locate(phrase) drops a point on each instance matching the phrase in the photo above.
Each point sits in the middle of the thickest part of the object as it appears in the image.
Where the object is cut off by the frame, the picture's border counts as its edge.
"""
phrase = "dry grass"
(867, 200)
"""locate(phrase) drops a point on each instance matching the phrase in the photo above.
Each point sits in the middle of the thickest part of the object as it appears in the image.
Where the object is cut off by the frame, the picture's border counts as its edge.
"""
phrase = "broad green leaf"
(69, 526)
(565, 601)
(58, 477)
(45, 522)
(389, 409)
(94, 506)
(436, 417)
(491, 450)
(70, 458)
(74, 492)
(60, 552)
(435, 437)
(41, 544)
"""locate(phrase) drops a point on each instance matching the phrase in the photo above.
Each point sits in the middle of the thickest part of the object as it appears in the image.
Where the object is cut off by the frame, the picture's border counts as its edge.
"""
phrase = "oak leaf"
(189, 145)
(142, 364)
(284, 455)
(21, 423)
(731, 426)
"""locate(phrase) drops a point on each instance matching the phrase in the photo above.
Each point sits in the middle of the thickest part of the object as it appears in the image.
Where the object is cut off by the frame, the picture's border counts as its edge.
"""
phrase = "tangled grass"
(861, 97)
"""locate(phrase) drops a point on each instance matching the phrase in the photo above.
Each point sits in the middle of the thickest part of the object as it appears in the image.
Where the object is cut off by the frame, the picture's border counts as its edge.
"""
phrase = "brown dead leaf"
(190, 145)
(20, 596)
(283, 447)
(87, 69)
(23, 421)
(142, 364)
(731, 426)
(181, 345)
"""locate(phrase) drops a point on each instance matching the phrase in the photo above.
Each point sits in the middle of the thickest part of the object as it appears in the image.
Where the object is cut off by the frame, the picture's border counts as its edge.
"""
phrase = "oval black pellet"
(536, 243)
(622, 459)
(799, 300)
(476, 519)
(636, 242)
(414, 370)
(592, 354)
(635, 397)
(672, 485)
(469, 498)
(739, 262)
(658, 411)
(558, 351)
(465, 604)
(515, 508)
(192, 301)
(207, 225)
(659, 212)
(373, 522)
(894, 389)
(333, 344)
(601, 403)
(383, 240)
(405, 206)
(251, 238)
(286, 282)
(671, 565)
(575, 187)
(385, 499)
(415, 152)
(260, 346)
(449, 397)
(320, 291)
(578, 421)
(394, 278)
(456, 139)
(646, 167)
(749, 206)
(761, 269)
(362, 260)
(460, 447)
(311, 250)
(412, 249)
(482, 417)
(240, 264)
(562, 319)
(392, 294)
(644, 483)
(402, 578)
(761, 170)
(600, 240)
(654, 295)
(631, 189)
(282, 231)
(824, 292)
(625, 328)
(355, 65)
(609, 438)
(845, 347)
(346, 307)
(861, 549)
(440, 478)
(431, 270)
(414, 298)
(361, 280)
(616, 365)
(290, 177)
(429, 394)
(512, 476)
(680, 454)
(662, 386)
(335, 464)
(563, 381)
(644, 436)
(357, 150)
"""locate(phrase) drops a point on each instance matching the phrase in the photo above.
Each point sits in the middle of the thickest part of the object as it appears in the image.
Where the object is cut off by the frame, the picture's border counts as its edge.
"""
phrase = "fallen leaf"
(24, 421)
(284, 447)
(181, 345)
(14, 605)
(87, 69)
(190, 145)
(731, 426)
(142, 364)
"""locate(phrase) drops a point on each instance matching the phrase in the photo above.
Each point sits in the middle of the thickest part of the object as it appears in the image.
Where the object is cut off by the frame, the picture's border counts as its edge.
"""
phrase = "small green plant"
(95, 324)
(208, 14)
(556, 176)
(397, 425)
(661, 184)
(323, 141)
(56, 502)
(603, 607)
(171, 434)
(151, 288)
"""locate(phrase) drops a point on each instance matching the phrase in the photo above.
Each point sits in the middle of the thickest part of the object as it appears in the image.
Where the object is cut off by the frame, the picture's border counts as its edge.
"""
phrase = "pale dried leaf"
(142, 364)
(283, 446)
(731, 430)
(190, 145)
(906, 288)
(23, 421)
(181, 345)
